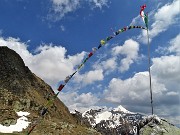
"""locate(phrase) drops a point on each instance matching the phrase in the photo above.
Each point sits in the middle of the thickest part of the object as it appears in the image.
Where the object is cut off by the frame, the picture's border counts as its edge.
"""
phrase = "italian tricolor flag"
(144, 16)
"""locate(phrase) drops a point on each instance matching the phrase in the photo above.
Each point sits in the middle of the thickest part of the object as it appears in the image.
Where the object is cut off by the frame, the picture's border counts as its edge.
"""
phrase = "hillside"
(21, 90)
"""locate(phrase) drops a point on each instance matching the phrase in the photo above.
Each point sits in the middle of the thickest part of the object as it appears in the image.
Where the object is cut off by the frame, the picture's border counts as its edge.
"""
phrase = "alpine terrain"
(22, 98)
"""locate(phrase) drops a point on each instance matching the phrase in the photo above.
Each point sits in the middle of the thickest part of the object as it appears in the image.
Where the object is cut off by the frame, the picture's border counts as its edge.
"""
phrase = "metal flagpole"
(149, 64)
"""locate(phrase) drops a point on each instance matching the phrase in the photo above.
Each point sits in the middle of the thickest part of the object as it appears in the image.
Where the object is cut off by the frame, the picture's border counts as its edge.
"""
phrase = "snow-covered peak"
(105, 114)
(121, 109)
(106, 119)
(86, 112)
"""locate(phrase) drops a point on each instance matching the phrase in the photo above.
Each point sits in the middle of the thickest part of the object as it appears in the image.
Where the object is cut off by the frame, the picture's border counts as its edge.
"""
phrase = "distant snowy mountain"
(119, 121)
(115, 121)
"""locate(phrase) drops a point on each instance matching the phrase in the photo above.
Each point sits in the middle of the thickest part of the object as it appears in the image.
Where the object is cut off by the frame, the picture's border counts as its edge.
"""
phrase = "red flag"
(60, 87)
(90, 54)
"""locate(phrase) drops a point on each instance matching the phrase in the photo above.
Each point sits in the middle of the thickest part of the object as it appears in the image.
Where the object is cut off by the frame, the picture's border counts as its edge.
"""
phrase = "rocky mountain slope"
(153, 125)
(119, 121)
(21, 90)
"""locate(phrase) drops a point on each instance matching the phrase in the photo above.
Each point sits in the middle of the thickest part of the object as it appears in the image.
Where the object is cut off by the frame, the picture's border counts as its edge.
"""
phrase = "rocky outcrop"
(153, 125)
(21, 90)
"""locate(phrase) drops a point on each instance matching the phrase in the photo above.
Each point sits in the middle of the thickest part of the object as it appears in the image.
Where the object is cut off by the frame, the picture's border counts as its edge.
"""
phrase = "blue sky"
(54, 36)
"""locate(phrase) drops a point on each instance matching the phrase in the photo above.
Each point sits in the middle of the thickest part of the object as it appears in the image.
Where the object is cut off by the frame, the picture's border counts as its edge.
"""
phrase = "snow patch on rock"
(22, 123)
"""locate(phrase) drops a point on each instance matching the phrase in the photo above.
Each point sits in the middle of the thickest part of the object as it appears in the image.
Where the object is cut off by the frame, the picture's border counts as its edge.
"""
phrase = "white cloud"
(51, 62)
(92, 76)
(172, 48)
(166, 69)
(78, 102)
(54, 64)
(175, 45)
(60, 8)
(172, 93)
(122, 56)
(129, 50)
(89, 77)
(135, 91)
(87, 99)
(162, 50)
(99, 3)
(165, 72)
(62, 28)
(165, 17)
(107, 66)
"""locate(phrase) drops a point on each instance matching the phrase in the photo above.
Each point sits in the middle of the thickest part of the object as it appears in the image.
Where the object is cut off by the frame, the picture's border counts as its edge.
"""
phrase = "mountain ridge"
(22, 90)
(120, 121)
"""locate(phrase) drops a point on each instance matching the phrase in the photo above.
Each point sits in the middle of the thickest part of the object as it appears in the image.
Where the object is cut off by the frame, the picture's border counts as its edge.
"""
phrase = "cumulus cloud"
(120, 57)
(99, 3)
(171, 48)
(135, 91)
(51, 62)
(89, 77)
(164, 17)
(109, 65)
(93, 76)
(60, 8)
(80, 102)
(54, 64)
(130, 52)
(174, 45)
(166, 70)
(132, 90)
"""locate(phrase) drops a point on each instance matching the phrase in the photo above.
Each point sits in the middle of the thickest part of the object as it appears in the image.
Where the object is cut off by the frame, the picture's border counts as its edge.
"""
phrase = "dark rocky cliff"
(21, 90)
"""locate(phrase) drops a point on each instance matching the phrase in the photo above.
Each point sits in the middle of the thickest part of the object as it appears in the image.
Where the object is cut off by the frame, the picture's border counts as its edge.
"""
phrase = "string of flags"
(94, 49)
